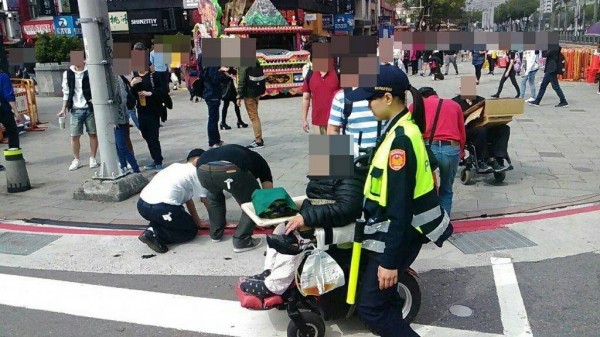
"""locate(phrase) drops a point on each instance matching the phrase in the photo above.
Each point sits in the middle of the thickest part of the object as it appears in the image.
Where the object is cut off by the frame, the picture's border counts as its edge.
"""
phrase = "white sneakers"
(76, 163)
(93, 163)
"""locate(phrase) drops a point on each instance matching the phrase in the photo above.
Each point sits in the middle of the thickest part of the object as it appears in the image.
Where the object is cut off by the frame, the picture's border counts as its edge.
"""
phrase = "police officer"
(233, 168)
(401, 206)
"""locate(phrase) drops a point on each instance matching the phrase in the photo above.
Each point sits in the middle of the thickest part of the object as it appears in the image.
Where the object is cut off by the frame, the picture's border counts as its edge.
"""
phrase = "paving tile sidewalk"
(556, 154)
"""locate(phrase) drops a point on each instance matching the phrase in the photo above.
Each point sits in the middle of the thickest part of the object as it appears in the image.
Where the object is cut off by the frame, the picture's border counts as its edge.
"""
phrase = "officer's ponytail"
(418, 109)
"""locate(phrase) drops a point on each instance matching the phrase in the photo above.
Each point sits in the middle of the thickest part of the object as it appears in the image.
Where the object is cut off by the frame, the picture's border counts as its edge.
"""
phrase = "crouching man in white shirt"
(161, 203)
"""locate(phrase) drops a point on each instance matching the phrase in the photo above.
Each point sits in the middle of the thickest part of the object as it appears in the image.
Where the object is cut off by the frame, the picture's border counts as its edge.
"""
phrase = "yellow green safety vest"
(428, 216)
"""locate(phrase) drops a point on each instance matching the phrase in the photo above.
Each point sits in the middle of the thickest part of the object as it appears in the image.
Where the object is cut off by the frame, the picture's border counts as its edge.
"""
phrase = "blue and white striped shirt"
(360, 120)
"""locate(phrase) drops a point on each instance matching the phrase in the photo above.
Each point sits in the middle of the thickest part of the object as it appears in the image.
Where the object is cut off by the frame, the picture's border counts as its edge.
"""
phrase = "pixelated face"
(468, 87)
(330, 157)
(78, 59)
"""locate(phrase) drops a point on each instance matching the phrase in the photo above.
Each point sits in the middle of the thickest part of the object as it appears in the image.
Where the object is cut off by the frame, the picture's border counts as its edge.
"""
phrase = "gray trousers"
(242, 184)
(451, 59)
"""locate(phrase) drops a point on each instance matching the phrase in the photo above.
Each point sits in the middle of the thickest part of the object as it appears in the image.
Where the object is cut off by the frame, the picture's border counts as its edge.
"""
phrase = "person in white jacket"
(532, 58)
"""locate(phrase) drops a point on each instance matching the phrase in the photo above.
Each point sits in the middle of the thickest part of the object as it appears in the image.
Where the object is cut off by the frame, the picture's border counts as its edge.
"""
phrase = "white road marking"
(512, 309)
(170, 311)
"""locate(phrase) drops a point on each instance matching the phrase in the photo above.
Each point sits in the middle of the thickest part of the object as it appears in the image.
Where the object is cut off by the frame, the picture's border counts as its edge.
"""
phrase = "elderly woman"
(331, 203)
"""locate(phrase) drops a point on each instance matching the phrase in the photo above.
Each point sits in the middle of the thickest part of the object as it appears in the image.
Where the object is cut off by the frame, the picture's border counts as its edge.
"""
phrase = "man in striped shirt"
(361, 119)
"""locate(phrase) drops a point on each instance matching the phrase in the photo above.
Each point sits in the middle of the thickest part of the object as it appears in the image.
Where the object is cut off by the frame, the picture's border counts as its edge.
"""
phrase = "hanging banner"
(31, 28)
(118, 21)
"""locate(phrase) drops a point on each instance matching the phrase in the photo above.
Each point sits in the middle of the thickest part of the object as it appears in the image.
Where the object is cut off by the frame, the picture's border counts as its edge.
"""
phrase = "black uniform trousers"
(170, 223)
(7, 118)
(214, 176)
(381, 310)
(149, 127)
(496, 135)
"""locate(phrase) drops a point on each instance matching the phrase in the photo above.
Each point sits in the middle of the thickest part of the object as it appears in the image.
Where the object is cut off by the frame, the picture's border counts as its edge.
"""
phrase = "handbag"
(433, 162)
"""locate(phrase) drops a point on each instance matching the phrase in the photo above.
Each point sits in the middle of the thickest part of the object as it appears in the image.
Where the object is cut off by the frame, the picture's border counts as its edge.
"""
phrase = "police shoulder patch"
(397, 159)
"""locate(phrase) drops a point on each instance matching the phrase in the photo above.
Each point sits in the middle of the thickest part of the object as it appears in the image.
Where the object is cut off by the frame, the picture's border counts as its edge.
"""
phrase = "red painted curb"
(461, 226)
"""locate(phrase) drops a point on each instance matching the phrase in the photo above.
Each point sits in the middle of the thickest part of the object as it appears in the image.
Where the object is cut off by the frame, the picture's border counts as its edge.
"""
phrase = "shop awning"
(39, 25)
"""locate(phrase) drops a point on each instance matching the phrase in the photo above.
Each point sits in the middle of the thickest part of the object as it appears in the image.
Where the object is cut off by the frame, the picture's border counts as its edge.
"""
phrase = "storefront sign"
(344, 22)
(67, 25)
(145, 21)
(118, 21)
(310, 17)
(190, 4)
(31, 28)
(64, 6)
(13, 5)
(327, 20)
(384, 19)
(46, 7)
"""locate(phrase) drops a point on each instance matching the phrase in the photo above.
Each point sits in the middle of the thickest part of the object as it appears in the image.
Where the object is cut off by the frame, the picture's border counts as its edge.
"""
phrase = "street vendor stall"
(278, 45)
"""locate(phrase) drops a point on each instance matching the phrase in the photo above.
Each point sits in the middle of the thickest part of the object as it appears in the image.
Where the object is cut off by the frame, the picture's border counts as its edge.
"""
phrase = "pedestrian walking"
(252, 84)
(445, 133)
(161, 203)
(8, 112)
(147, 88)
(414, 62)
(213, 77)
(531, 58)
(478, 59)
(233, 168)
(451, 59)
(405, 60)
(77, 101)
(399, 197)
(512, 67)
(492, 56)
(229, 95)
(555, 65)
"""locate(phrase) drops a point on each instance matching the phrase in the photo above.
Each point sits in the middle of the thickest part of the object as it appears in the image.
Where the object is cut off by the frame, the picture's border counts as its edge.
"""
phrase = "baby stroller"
(308, 313)
(470, 170)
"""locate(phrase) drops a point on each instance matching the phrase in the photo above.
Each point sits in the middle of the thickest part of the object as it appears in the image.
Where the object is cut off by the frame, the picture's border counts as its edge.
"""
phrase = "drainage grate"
(551, 154)
(24, 244)
(489, 241)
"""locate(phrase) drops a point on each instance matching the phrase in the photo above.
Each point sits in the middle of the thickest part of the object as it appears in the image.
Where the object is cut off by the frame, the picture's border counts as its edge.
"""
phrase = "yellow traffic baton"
(355, 263)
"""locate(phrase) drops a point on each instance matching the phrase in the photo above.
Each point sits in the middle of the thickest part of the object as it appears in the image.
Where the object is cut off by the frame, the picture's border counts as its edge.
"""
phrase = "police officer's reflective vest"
(428, 216)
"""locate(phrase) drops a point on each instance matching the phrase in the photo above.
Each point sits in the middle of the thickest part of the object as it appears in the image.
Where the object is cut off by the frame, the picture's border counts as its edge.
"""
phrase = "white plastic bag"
(320, 274)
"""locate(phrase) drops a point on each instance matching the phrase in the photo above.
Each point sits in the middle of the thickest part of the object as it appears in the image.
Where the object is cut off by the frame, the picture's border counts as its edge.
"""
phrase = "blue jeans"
(550, 78)
(448, 157)
(134, 118)
(125, 155)
(213, 121)
(531, 79)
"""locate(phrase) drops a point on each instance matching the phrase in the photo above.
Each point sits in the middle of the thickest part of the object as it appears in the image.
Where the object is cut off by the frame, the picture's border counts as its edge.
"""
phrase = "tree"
(515, 9)
(436, 12)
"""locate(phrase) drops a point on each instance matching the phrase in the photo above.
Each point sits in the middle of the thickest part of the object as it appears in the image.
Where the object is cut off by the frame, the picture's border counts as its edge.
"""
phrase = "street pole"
(595, 11)
(98, 44)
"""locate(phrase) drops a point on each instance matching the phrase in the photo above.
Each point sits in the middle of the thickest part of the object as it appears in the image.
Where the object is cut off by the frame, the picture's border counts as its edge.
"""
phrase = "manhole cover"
(583, 169)
(489, 241)
(461, 311)
(551, 154)
(24, 244)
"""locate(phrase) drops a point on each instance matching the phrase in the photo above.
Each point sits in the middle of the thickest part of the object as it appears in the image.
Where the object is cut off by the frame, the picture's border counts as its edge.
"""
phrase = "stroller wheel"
(499, 176)
(409, 290)
(314, 322)
(465, 176)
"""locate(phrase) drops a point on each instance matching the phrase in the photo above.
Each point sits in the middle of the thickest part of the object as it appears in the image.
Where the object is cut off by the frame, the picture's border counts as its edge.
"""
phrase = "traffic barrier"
(26, 102)
(17, 179)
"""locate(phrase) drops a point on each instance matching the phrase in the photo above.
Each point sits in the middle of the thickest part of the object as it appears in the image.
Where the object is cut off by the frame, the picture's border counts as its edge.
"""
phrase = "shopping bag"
(486, 64)
(320, 274)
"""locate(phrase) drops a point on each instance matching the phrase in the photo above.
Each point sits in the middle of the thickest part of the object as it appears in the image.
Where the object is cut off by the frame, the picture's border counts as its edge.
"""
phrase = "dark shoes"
(253, 243)
(497, 167)
(242, 125)
(562, 105)
(149, 238)
(483, 167)
(256, 145)
(495, 96)
(225, 126)
(2, 168)
(534, 103)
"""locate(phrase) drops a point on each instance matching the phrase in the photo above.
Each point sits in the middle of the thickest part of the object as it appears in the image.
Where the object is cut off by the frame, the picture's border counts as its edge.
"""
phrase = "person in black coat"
(229, 95)
(555, 65)
(213, 77)
(331, 203)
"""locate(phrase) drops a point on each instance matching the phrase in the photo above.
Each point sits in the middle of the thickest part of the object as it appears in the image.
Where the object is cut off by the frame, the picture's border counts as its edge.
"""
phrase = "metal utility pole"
(595, 11)
(98, 44)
